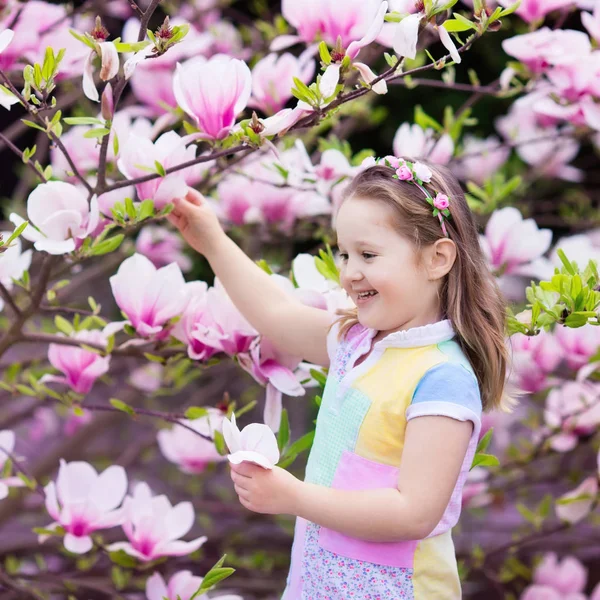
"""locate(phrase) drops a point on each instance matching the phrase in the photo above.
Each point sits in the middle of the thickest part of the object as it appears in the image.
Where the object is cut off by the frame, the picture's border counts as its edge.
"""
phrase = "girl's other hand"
(196, 221)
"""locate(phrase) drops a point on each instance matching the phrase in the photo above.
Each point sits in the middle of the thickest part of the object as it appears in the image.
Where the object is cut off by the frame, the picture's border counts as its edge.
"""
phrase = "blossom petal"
(250, 456)
(181, 548)
(407, 36)
(156, 589)
(179, 520)
(273, 408)
(78, 544)
(89, 87)
(6, 38)
(329, 80)
(367, 74)
(448, 42)
(109, 489)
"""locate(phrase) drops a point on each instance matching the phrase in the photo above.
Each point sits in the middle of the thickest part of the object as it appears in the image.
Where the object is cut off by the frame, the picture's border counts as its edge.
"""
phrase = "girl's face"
(380, 270)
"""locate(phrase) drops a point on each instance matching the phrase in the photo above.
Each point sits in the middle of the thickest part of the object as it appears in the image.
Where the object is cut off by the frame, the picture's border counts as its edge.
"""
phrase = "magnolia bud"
(107, 105)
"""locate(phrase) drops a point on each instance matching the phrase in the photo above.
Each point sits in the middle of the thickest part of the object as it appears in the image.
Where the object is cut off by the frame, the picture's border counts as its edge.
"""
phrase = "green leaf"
(484, 442)
(195, 412)
(510, 10)
(82, 38)
(16, 233)
(217, 574)
(96, 133)
(33, 125)
(25, 390)
(302, 444)
(83, 121)
(106, 246)
(160, 169)
(423, 120)
(319, 377)
(220, 444)
(324, 53)
(63, 325)
(264, 265)
(120, 405)
(122, 559)
(485, 460)
(452, 25)
(283, 435)
(131, 47)
(130, 209)
(146, 209)
(565, 261)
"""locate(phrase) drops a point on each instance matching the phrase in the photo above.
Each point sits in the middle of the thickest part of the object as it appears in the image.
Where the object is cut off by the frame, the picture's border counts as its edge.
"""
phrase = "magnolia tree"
(124, 363)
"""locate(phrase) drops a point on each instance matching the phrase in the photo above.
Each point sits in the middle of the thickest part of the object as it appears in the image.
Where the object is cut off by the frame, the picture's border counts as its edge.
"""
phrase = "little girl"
(410, 370)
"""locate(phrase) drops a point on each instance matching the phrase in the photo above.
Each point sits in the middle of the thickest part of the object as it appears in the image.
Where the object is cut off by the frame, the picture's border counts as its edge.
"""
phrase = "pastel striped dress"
(358, 446)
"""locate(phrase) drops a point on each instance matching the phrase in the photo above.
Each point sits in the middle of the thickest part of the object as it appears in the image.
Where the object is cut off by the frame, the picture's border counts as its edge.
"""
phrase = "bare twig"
(8, 299)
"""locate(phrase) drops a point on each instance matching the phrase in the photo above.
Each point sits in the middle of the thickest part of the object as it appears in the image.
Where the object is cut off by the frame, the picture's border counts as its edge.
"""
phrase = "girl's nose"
(352, 272)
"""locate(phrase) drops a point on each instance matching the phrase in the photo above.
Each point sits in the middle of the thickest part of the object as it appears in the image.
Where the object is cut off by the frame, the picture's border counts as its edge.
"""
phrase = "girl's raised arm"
(293, 327)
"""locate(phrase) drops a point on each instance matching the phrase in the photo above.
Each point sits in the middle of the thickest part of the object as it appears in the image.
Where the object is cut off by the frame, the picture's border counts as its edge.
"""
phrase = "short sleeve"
(448, 390)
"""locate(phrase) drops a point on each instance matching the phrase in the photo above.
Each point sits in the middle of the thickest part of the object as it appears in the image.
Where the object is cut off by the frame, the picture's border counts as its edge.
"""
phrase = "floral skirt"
(329, 576)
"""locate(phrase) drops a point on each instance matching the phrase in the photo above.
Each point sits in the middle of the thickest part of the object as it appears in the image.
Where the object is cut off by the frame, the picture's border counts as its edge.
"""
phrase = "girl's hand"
(196, 221)
(273, 492)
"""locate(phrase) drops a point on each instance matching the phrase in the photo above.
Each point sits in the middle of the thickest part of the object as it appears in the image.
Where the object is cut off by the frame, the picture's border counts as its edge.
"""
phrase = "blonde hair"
(469, 295)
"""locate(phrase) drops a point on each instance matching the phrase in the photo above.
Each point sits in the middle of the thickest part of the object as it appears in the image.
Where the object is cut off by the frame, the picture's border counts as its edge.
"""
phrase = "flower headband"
(418, 174)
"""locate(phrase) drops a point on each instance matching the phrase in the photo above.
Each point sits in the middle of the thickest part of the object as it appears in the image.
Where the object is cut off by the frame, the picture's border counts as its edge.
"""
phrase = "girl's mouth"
(364, 297)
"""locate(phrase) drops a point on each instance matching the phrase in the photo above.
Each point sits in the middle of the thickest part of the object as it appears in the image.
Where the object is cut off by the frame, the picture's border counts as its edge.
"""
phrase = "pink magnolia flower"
(109, 58)
(139, 156)
(537, 139)
(536, 10)
(592, 22)
(323, 18)
(579, 344)
(414, 142)
(160, 81)
(272, 80)
(80, 367)
(578, 503)
(534, 358)
(481, 158)
(243, 200)
(162, 247)
(190, 451)
(33, 18)
(213, 92)
(567, 576)
(75, 422)
(147, 378)
(153, 526)
(81, 502)
(7, 99)
(573, 409)
(13, 263)
(543, 592)
(441, 201)
(7, 445)
(540, 49)
(512, 244)
(85, 152)
(275, 369)
(256, 443)
(182, 586)
(225, 329)
(195, 316)
(148, 296)
(62, 215)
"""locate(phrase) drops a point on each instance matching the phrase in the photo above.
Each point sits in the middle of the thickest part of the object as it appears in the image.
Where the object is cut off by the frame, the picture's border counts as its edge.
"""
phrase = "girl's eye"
(367, 255)
(343, 256)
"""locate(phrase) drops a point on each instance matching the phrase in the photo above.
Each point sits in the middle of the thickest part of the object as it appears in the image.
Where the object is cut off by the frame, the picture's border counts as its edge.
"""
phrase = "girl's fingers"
(194, 197)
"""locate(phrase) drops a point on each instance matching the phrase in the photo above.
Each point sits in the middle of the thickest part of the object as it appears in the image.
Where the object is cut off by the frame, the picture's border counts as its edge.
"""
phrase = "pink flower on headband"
(404, 173)
(393, 161)
(441, 201)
